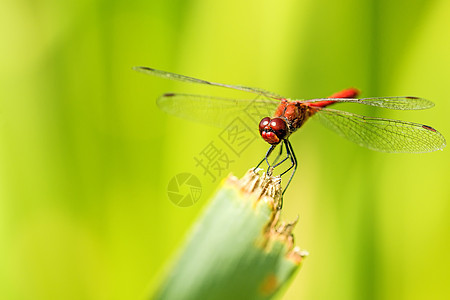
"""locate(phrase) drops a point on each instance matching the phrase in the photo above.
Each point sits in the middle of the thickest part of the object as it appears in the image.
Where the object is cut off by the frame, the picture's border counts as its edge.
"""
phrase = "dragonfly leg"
(272, 147)
(291, 154)
(278, 156)
(284, 159)
(275, 164)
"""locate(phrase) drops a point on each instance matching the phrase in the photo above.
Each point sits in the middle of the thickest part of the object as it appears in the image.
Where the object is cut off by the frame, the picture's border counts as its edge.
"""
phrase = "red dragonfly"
(378, 134)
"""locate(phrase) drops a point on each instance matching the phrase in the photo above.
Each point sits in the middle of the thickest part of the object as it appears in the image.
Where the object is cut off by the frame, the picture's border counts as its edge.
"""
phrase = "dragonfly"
(287, 115)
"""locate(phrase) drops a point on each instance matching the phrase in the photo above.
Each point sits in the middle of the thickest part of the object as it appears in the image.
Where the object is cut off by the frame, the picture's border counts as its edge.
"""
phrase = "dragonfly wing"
(383, 134)
(184, 78)
(399, 103)
(215, 111)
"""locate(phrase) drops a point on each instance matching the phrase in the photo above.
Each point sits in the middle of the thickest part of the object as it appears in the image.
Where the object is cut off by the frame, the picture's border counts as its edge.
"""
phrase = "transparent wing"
(179, 77)
(215, 111)
(382, 134)
(399, 103)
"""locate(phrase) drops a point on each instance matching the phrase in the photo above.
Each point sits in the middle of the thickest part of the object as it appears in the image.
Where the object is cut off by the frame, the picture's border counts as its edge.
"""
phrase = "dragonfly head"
(273, 130)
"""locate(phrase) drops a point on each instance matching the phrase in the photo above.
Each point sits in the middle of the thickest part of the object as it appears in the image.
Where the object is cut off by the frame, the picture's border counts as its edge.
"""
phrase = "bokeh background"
(86, 155)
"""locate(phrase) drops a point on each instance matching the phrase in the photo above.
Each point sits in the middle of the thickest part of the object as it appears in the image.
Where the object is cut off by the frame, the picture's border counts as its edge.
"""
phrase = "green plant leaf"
(237, 249)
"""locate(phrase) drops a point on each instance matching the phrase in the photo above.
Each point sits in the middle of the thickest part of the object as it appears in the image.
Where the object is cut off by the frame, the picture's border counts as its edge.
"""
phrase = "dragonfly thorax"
(294, 113)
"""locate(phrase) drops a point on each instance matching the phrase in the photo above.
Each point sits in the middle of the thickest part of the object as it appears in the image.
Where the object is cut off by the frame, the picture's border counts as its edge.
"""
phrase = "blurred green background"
(86, 155)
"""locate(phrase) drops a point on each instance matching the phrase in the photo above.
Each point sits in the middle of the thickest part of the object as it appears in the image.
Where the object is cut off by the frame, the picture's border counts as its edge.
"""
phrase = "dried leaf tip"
(282, 231)
(263, 187)
(297, 255)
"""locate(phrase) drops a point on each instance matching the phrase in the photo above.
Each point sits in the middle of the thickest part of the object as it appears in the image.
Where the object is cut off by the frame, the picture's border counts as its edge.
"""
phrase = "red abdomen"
(347, 93)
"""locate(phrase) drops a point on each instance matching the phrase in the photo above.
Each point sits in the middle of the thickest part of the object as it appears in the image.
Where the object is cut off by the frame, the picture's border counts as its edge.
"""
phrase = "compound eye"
(264, 122)
(279, 126)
